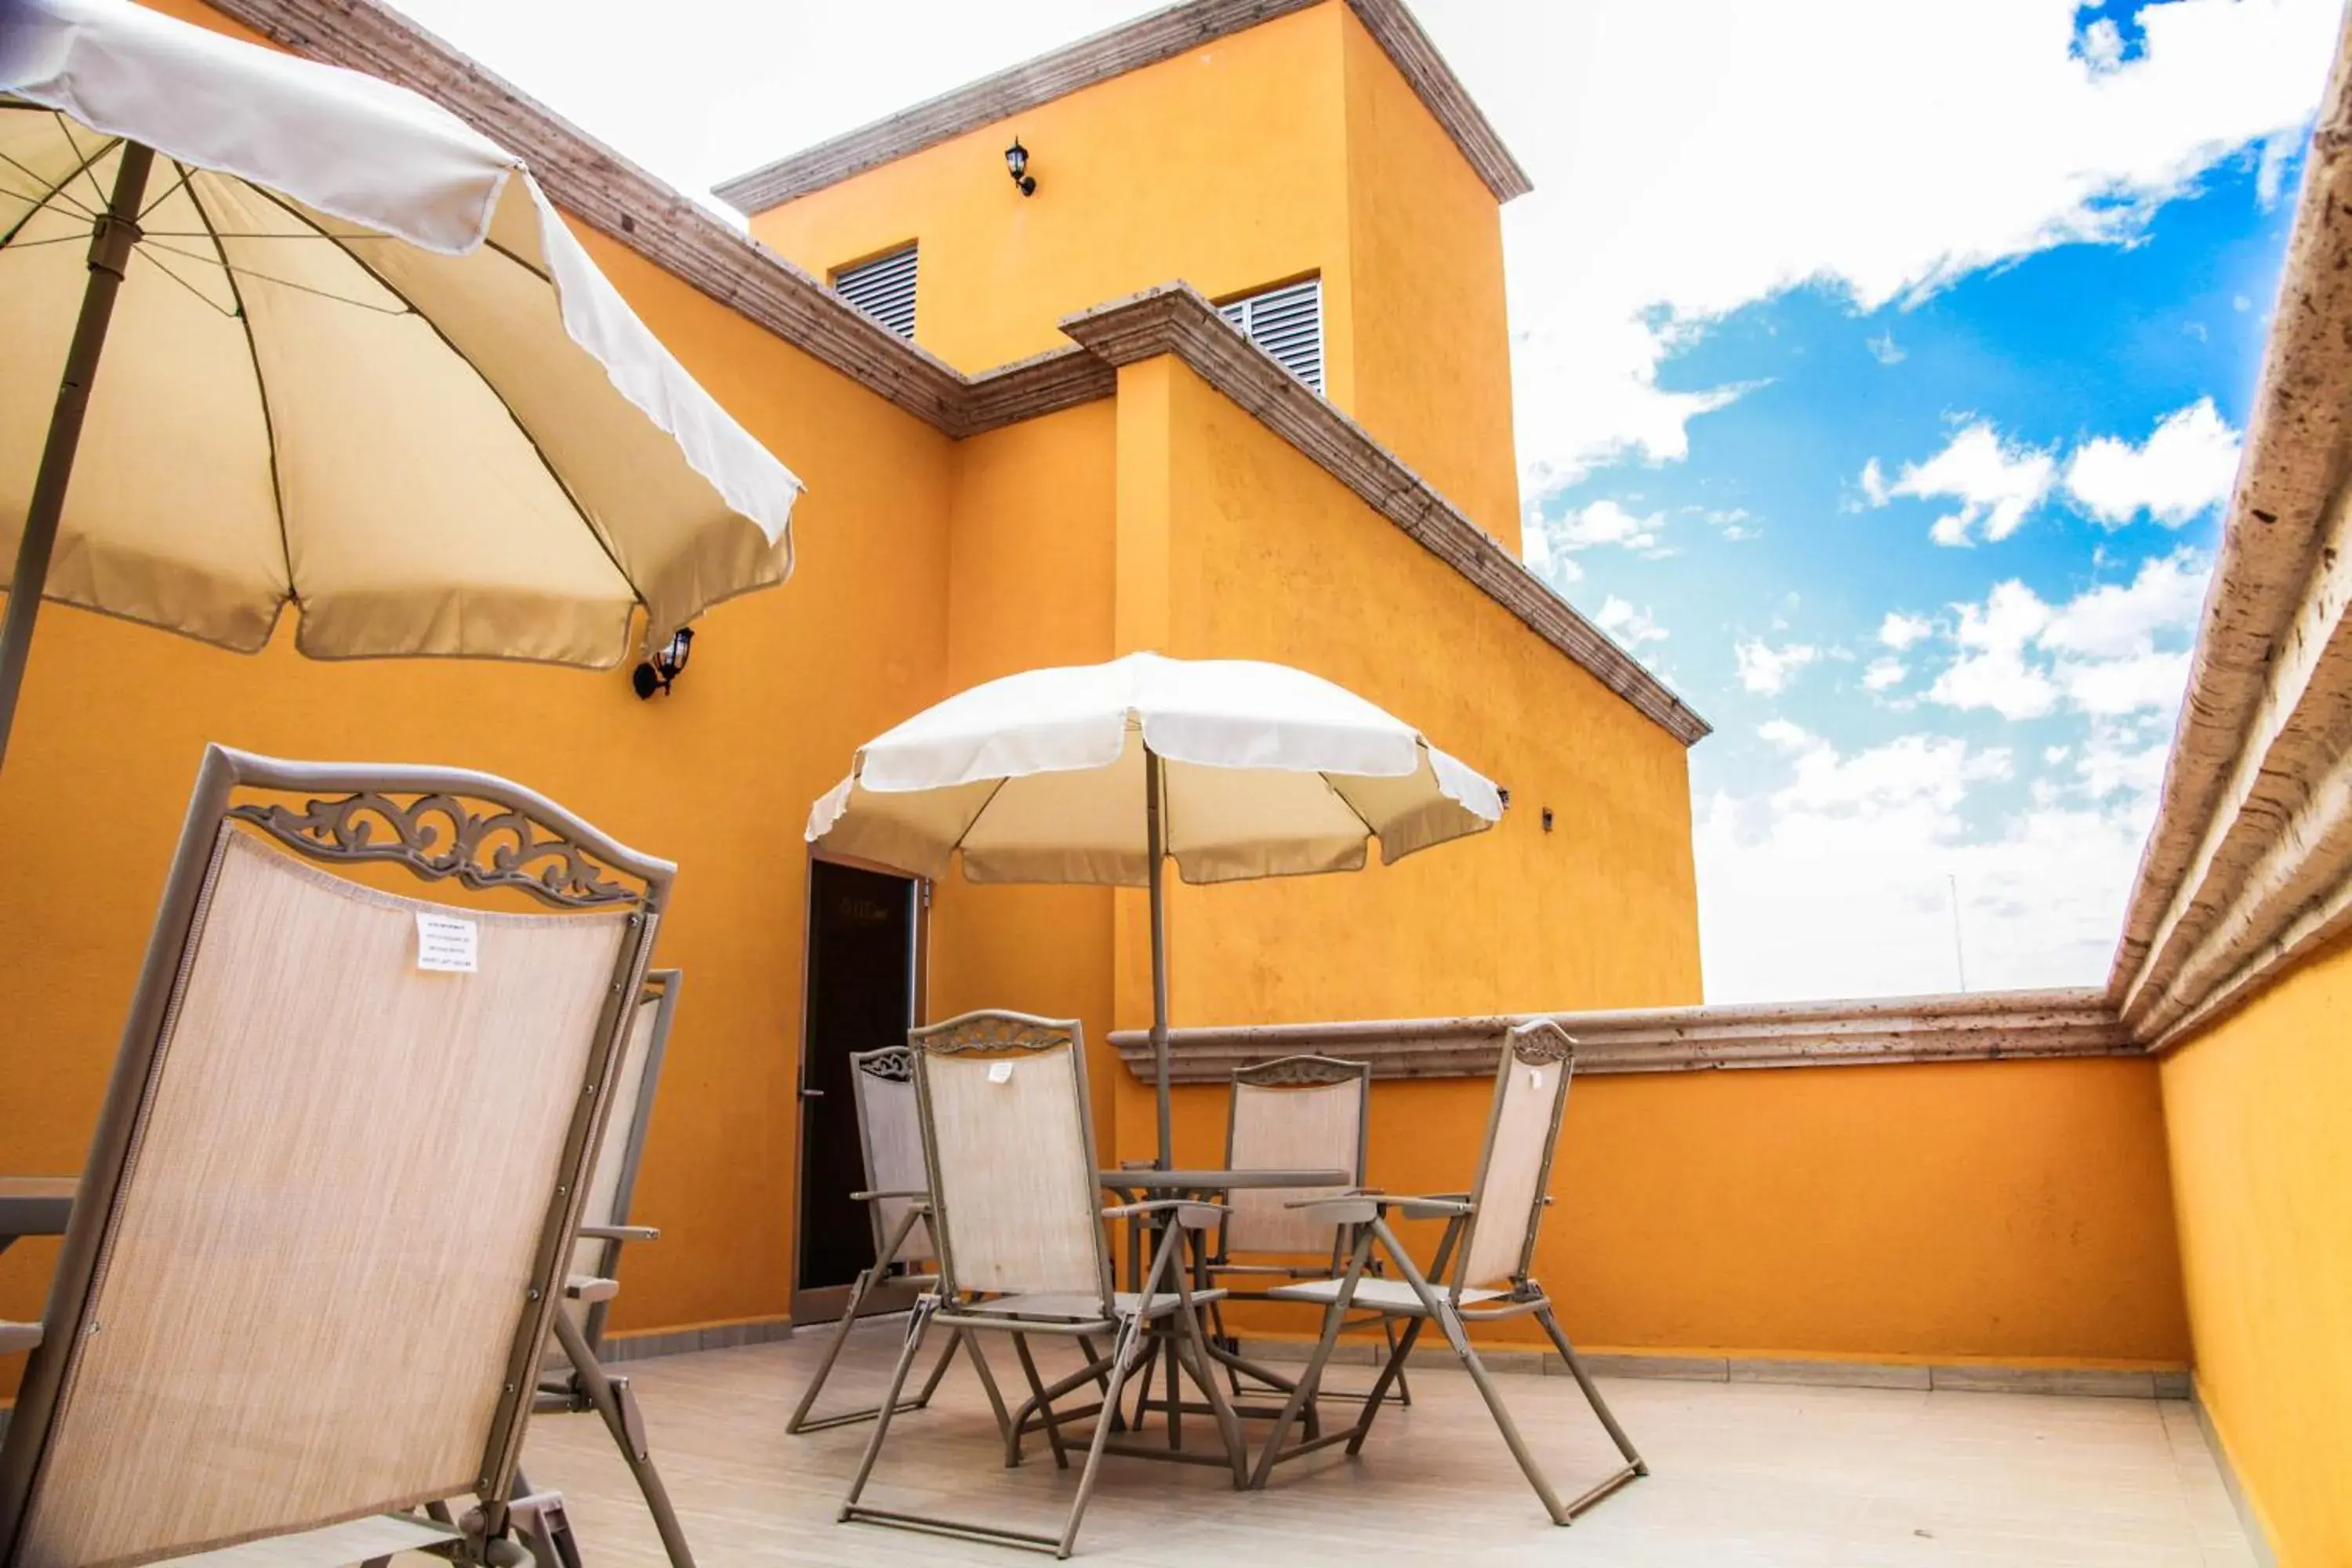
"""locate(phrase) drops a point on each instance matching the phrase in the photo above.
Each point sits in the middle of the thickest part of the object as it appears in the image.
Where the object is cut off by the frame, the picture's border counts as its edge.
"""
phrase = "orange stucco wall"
(1291, 149)
(2010, 1211)
(2259, 1109)
(1431, 335)
(783, 686)
(2007, 1212)
(1224, 166)
(1029, 585)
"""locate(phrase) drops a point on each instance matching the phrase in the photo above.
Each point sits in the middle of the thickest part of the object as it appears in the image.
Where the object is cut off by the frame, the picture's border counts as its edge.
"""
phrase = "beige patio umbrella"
(1103, 773)
(353, 360)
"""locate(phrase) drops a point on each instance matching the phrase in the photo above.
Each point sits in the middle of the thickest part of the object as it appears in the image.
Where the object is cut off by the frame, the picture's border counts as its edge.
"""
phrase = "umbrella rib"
(65, 126)
(1339, 796)
(221, 261)
(157, 261)
(52, 193)
(260, 384)
(595, 530)
(164, 195)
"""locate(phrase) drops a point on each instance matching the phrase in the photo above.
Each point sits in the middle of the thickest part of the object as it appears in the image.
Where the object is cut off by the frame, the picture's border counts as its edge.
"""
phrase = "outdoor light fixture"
(656, 673)
(1017, 164)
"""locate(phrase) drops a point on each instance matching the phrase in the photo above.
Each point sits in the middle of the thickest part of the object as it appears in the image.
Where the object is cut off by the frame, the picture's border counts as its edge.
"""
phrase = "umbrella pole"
(111, 240)
(1156, 833)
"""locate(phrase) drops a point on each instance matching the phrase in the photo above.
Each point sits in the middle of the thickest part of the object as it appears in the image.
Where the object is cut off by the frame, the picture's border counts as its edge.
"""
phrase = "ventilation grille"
(1287, 322)
(884, 288)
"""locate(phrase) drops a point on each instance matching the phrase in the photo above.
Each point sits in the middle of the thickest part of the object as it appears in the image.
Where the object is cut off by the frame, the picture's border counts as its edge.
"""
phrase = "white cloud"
(1605, 521)
(2119, 618)
(1766, 671)
(1839, 881)
(1993, 670)
(1997, 483)
(1884, 673)
(1995, 128)
(1873, 483)
(2185, 466)
(2128, 685)
(1899, 631)
(1628, 625)
(2097, 653)
(1784, 735)
(1885, 349)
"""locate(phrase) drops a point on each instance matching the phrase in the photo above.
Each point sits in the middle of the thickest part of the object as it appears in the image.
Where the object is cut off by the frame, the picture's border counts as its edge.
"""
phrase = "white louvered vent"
(1287, 322)
(884, 288)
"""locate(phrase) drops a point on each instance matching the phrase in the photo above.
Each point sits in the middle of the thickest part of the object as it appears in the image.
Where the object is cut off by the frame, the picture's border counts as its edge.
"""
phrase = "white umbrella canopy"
(1266, 772)
(1233, 769)
(357, 361)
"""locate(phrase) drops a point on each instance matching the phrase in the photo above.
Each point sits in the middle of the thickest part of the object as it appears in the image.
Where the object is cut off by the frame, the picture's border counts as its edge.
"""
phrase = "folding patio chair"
(899, 1196)
(331, 1200)
(1305, 1112)
(1016, 1216)
(571, 1376)
(1482, 1257)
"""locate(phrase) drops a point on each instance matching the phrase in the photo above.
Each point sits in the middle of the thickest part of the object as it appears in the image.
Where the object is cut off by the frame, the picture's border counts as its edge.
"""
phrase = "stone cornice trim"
(1984, 1026)
(1146, 41)
(2249, 866)
(1174, 319)
(1044, 383)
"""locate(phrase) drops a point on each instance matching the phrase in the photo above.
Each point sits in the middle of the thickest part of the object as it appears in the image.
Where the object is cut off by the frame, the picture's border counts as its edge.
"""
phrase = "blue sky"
(1802, 285)
(1761, 576)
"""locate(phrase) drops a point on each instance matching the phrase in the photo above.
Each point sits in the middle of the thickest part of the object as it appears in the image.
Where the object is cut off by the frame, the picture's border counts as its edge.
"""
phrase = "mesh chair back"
(313, 1256)
(1013, 1183)
(891, 1130)
(613, 1180)
(1301, 1113)
(1515, 1168)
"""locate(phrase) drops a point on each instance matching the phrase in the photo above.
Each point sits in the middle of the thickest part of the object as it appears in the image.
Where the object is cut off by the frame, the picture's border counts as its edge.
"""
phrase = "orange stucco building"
(1070, 455)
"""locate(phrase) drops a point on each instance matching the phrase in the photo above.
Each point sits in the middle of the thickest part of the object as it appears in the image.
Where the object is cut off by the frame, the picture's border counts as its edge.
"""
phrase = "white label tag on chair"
(447, 943)
(1535, 1078)
(1000, 1072)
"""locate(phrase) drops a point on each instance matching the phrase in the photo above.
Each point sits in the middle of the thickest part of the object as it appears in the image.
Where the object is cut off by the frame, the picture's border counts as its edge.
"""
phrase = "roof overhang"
(1146, 40)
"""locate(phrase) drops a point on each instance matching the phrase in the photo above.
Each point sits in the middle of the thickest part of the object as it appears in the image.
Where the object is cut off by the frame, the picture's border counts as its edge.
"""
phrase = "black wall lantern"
(656, 673)
(1017, 164)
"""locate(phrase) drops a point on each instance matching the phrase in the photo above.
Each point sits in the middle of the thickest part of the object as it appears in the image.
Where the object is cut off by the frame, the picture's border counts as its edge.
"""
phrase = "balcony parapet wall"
(1986, 1026)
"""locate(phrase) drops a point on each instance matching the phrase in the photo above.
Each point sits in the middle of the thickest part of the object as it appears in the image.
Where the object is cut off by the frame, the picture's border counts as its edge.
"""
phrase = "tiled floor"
(1742, 1474)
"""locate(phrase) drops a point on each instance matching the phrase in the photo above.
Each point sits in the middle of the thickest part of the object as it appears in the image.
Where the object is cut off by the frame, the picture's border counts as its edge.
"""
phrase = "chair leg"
(1304, 1391)
(1403, 1390)
(1449, 1323)
(940, 1370)
(1392, 1371)
(618, 1407)
(1122, 1353)
(1639, 1466)
(1045, 1408)
(917, 1323)
(799, 1420)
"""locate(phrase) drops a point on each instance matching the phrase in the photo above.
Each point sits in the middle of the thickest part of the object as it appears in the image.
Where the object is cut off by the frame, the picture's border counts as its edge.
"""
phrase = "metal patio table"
(1204, 1186)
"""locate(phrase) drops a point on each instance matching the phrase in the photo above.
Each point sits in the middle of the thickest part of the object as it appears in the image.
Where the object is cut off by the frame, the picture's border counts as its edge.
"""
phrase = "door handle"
(812, 1094)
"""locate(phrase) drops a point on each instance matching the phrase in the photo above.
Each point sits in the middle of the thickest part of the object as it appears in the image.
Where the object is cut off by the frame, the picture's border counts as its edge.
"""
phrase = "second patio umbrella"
(1100, 774)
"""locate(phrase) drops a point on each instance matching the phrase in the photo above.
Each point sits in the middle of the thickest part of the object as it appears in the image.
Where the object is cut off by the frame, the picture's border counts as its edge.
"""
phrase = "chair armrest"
(1191, 1214)
(921, 1197)
(618, 1233)
(1358, 1208)
(18, 1336)
(588, 1287)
